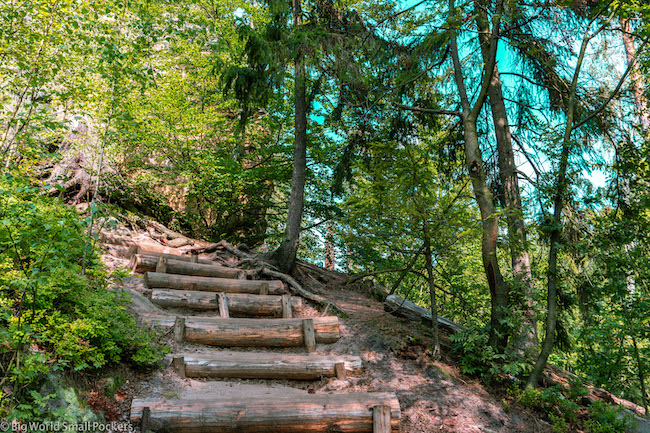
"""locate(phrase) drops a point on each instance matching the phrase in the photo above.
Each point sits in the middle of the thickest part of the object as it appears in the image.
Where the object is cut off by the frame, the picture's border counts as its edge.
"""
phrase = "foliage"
(57, 311)
(477, 358)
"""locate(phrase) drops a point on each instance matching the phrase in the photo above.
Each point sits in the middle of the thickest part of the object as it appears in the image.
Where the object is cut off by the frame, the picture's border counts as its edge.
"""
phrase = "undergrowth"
(558, 403)
(57, 312)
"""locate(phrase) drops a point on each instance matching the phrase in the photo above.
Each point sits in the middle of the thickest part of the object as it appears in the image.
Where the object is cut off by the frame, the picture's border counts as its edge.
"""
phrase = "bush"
(477, 358)
(56, 311)
(605, 418)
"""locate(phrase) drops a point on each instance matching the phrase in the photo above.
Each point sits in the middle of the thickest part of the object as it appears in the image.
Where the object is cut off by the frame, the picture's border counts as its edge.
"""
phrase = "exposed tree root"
(261, 266)
(301, 291)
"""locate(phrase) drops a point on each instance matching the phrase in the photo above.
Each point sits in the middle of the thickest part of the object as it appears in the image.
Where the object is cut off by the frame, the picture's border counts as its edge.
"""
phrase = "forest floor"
(433, 396)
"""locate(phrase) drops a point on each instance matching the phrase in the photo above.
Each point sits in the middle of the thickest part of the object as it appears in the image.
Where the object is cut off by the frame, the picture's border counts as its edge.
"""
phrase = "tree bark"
(251, 332)
(526, 339)
(285, 256)
(561, 188)
(157, 280)
(640, 367)
(404, 308)
(432, 293)
(301, 413)
(484, 198)
(239, 303)
(637, 81)
(247, 365)
(147, 263)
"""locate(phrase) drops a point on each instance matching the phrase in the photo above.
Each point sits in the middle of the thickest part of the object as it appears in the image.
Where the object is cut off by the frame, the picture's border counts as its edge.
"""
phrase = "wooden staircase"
(268, 321)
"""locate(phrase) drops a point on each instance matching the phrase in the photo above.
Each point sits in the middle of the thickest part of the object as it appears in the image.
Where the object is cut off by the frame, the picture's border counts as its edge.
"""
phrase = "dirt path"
(432, 396)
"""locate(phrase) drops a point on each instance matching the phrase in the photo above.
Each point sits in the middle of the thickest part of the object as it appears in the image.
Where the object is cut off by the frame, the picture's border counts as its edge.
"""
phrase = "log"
(167, 252)
(239, 303)
(154, 280)
(308, 413)
(405, 308)
(223, 305)
(309, 334)
(115, 250)
(147, 263)
(264, 365)
(231, 332)
(381, 419)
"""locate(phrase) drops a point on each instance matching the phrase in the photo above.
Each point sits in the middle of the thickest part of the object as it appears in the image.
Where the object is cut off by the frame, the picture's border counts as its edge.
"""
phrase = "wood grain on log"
(381, 419)
(239, 303)
(147, 263)
(309, 334)
(138, 251)
(251, 332)
(346, 413)
(264, 365)
(154, 280)
(405, 308)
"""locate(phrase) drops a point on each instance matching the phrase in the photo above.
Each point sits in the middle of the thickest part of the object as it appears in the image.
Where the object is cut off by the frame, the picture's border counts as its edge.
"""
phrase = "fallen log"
(239, 303)
(309, 413)
(147, 263)
(156, 280)
(247, 365)
(405, 308)
(250, 332)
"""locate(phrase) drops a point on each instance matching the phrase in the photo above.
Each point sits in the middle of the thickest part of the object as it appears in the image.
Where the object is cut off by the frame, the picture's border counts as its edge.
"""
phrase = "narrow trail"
(254, 372)
(224, 325)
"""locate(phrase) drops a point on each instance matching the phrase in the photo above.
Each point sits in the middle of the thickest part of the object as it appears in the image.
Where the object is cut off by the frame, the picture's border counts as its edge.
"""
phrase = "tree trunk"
(526, 339)
(640, 367)
(637, 81)
(482, 193)
(432, 293)
(285, 256)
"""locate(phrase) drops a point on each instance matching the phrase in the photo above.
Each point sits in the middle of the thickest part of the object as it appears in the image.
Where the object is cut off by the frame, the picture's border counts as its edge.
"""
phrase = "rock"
(337, 385)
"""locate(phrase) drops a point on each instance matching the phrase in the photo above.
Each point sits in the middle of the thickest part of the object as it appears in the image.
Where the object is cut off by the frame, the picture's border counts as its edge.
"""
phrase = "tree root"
(260, 266)
(297, 288)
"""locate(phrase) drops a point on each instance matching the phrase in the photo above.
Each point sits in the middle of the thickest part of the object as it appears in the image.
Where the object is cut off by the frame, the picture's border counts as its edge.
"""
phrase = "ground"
(433, 396)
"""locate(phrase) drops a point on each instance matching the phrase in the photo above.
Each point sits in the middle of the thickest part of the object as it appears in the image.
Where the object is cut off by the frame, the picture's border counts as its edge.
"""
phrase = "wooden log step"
(147, 263)
(135, 250)
(115, 250)
(309, 413)
(249, 332)
(264, 365)
(156, 280)
(238, 303)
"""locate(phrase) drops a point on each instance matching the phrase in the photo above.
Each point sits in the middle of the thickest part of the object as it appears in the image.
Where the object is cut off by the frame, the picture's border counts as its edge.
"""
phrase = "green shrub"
(477, 358)
(56, 311)
(605, 418)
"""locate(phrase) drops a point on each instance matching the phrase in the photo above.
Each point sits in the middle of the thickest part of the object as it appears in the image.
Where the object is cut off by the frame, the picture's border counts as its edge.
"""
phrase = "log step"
(166, 253)
(238, 303)
(158, 280)
(264, 365)
(309, 413)
(248, 332)
(147, 263)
